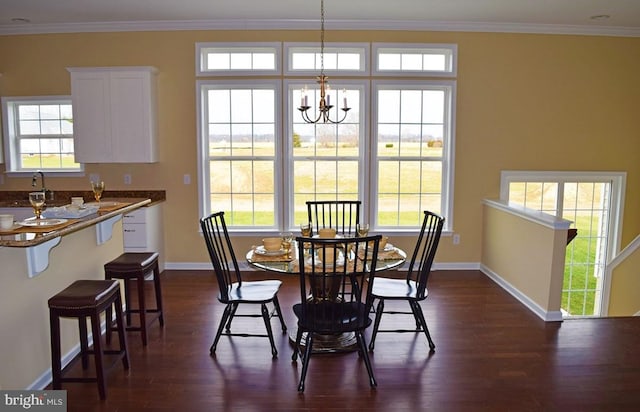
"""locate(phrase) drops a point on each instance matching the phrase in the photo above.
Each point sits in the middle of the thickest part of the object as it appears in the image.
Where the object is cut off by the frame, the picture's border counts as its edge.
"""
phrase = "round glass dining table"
(389, 258)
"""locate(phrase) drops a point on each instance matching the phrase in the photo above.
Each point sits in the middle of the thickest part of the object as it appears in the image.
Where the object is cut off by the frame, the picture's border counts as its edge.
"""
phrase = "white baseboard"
(547, 316)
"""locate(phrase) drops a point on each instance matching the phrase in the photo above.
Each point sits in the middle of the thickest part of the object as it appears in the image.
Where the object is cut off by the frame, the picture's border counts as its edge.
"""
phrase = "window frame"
(204, 175)
(203, 48)
(286, 107)
(11, 138)
(363, 49)
(448, 154)
(450, 51)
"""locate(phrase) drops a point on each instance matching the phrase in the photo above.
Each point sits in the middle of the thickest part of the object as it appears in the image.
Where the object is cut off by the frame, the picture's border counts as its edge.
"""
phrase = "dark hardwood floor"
(492, 354)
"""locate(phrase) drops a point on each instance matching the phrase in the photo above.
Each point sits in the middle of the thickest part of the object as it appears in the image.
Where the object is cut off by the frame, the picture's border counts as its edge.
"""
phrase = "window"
(38, 134)
(393, 151)
(416, 59)
(238, 154)
(413, 132)
(592, 201)
(222, 59)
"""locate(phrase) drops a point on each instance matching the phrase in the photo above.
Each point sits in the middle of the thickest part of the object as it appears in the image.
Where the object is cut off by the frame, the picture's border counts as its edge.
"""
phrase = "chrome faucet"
(48, 194)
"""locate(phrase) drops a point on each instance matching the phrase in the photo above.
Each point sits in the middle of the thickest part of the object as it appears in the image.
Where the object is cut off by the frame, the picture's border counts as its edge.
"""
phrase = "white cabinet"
(114, 114)
(143, 231)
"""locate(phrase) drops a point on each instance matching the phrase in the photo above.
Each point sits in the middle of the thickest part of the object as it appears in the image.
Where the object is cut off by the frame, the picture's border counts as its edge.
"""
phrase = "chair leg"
(84, 344)
(108, 324)
(122, 336)
(56, 362)
(127, 299)
(223, 321)
(267, 323)
(98, 355)
(376, 323)
(296, 347)
(158, 290)
(232, 313)
(276, 304)
(362, 345)
(305, 361)
(142, 307)
(417, 313)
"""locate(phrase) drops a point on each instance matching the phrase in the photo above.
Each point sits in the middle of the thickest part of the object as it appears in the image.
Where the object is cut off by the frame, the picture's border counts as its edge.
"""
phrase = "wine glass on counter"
(37, 200)
(98, 188)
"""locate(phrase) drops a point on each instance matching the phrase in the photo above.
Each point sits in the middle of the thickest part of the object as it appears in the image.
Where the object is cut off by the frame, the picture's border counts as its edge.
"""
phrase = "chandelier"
(324, 105)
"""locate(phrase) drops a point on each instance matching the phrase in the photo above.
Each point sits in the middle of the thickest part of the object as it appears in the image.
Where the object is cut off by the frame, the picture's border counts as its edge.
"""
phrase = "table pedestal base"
(335, 343)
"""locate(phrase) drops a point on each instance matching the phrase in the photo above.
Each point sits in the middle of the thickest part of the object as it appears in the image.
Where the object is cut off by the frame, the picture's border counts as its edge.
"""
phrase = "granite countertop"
(17, 198)
(26, 238)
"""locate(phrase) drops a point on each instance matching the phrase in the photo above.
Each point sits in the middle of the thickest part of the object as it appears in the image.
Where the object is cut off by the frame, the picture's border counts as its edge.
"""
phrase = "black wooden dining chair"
(413, 288)
(233, 290)
(342, 215)
(335, 293)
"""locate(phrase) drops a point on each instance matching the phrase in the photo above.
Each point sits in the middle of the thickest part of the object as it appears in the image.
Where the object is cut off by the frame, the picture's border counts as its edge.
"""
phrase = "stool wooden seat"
(135, 266)
(82, 299)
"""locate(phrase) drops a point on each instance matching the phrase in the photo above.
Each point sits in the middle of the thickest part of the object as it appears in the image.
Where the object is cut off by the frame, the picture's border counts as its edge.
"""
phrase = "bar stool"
(136, 265)
(82, 299)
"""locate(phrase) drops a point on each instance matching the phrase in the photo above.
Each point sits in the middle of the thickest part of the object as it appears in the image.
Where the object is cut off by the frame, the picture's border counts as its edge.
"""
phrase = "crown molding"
(275, 24)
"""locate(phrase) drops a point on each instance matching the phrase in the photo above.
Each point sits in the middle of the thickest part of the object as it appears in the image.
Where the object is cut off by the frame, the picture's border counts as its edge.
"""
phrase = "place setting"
(274, 249)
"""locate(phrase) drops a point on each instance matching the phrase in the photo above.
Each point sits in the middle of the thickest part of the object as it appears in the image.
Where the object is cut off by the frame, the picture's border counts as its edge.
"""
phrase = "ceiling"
(538, 16)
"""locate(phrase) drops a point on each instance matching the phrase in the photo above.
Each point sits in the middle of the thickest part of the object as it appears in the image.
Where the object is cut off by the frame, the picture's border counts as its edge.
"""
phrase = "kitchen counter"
(26, 238)
(20, 198)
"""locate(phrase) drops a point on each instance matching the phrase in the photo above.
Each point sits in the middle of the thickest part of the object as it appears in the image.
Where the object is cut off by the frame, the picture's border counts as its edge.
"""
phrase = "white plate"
(388, 247)
(262, 251)
(108, 203)
(69, 211)
(33, 222)
(318, 262)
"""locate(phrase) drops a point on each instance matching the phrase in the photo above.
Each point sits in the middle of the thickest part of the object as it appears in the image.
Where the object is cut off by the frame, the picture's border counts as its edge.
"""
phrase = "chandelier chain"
(321, 37)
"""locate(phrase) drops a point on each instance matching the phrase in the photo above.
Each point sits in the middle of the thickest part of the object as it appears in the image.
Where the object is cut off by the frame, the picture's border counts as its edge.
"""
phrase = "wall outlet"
(127, 179)
(456, 239)
(186, 179)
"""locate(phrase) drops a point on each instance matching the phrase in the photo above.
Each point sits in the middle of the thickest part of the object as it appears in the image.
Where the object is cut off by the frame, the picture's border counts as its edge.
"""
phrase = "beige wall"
(541, 102)
(625, 284)
(526, 256)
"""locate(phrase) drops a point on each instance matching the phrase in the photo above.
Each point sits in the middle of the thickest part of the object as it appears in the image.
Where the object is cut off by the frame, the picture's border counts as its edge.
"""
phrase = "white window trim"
(200, 47)
(203, 166)
(9, 137)
(453, 48)
(617, 180)
(364, 89)
(283, 150)
(363, 48)
(448, 155)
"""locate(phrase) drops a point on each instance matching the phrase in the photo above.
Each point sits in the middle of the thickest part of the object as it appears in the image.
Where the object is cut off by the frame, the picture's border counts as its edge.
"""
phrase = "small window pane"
(29, 127)
(414, 59)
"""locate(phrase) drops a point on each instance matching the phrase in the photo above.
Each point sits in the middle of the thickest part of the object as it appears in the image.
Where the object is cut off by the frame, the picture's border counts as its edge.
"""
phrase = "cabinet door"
(114, 114)
(91, 114)
(133, 117)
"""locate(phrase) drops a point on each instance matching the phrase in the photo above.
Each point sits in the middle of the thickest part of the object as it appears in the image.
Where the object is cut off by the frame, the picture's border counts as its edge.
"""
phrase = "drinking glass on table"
(287, 241)
(305, 229)
(362, 229)
(37, 200)
(98, 188)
